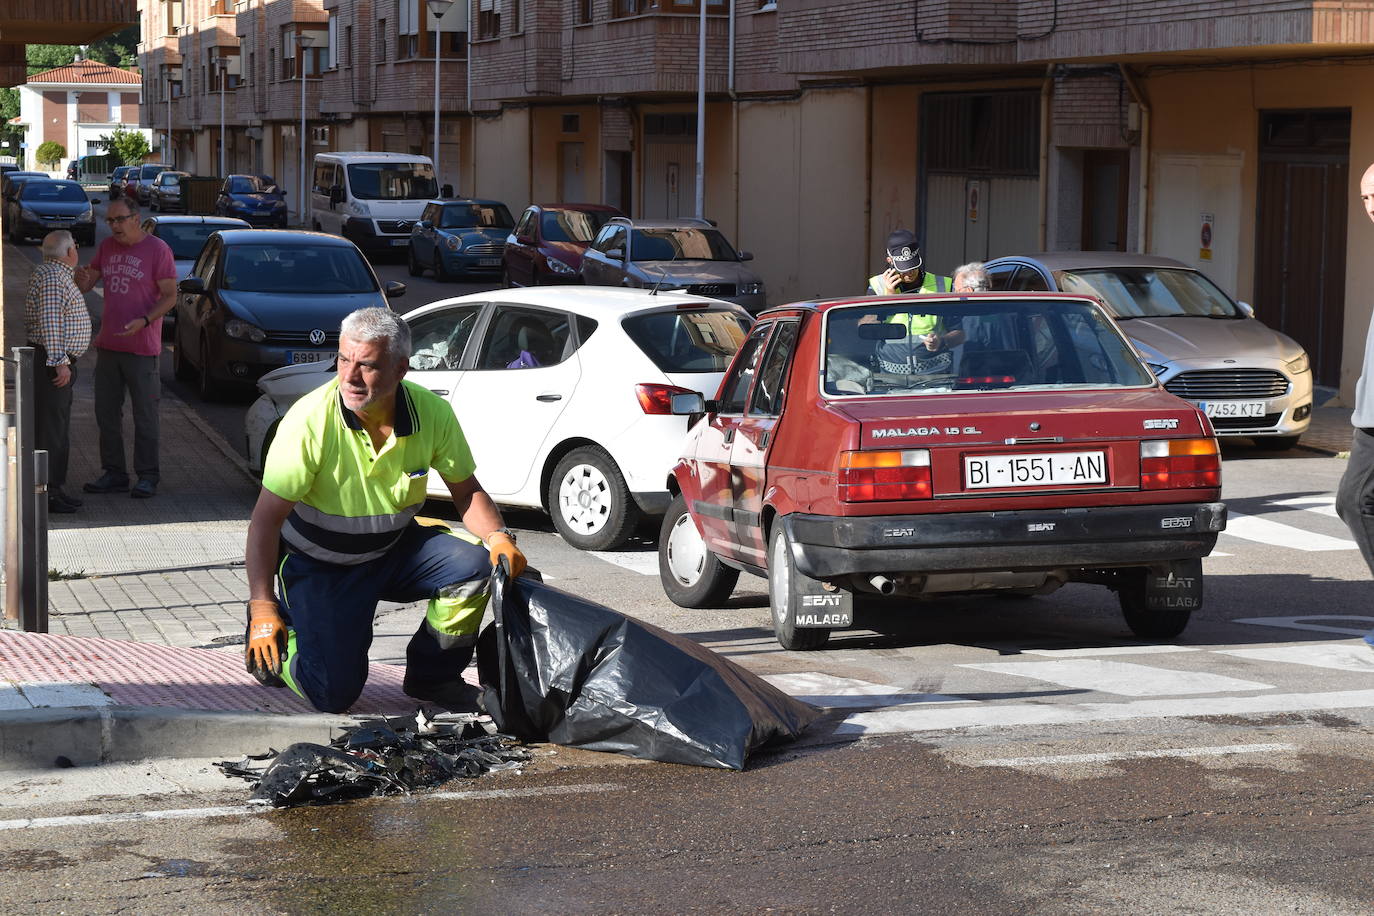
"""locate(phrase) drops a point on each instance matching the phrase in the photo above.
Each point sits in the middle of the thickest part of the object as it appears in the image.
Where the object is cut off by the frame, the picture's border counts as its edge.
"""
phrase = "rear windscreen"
(979, 343)
(703, 341)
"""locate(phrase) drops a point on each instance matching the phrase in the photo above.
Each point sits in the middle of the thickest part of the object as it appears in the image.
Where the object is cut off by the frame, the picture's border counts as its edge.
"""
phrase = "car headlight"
(750, 289)
(1298, 366)
(558, 267)
(278, 205)
(26, 213)
(453, 242)
(1157, 369)
(87, 215)
(242, 330)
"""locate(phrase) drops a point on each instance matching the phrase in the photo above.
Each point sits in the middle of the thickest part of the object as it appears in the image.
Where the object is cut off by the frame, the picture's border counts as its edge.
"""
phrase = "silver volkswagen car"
(1248, 378)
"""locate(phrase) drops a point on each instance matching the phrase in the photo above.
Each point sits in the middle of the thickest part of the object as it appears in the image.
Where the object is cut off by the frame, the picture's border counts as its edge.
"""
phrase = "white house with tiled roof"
(77, 104)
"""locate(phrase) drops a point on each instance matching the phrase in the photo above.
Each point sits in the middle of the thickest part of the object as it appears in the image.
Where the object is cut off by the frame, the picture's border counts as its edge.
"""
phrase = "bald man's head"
(1367, 191)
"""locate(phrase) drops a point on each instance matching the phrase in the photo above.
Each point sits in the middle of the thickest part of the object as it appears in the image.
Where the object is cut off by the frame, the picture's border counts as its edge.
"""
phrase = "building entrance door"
(1304, 176)
(1106, 195)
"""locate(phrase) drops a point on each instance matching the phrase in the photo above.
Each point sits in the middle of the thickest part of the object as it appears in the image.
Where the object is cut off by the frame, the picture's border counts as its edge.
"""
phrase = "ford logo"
(317, 337)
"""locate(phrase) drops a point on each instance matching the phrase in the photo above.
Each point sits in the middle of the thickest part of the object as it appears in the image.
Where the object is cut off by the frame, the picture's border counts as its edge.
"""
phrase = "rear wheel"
(692, 575)
(782, 573)
(1157, 623)
(590, 504)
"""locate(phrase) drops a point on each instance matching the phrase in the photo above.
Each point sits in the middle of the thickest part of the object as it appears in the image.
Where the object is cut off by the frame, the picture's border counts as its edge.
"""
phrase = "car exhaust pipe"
(882, 584)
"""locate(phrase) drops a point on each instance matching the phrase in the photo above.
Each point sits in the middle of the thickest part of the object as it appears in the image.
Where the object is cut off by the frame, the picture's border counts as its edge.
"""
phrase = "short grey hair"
(57, 243)
(379, 323)
(132, 205)
(975, 269)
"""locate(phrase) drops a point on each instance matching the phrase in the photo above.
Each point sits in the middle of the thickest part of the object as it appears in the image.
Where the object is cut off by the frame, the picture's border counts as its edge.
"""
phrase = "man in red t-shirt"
(140, 278)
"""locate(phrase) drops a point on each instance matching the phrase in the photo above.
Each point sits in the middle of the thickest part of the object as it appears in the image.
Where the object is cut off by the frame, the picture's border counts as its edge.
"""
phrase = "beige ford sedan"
(1249, 379)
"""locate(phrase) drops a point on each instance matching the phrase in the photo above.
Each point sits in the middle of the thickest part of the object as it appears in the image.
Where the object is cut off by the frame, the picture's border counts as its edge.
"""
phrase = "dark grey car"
(685, 254)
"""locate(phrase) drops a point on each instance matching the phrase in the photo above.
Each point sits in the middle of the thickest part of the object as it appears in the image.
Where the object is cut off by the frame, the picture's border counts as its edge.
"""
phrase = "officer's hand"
(266, 637)
(500, 546)
(891, 278)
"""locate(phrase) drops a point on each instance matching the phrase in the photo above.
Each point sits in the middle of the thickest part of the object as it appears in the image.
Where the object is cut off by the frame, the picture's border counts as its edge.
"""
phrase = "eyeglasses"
(112, 220)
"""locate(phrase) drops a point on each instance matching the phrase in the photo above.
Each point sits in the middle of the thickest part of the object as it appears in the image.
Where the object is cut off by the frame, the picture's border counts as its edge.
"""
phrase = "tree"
(50, 152)
(127, 145)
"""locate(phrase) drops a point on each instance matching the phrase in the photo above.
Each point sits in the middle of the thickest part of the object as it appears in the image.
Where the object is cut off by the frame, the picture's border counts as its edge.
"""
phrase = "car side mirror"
(394, 289)
(746, 256)
(524, 240)
(424, 224)
(336, 195)
(616, 254)
(686, 404)
(193, 285)
(1246, 308)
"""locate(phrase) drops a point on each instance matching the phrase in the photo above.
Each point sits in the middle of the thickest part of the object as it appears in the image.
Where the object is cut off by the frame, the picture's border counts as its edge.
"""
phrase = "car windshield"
(52, 192)
(392, 181)
(152, 171)
(186, 239)
(688, 341)
(680, 244)
(976, 344)
(252, 184)
(296, 269)
(572, 225)
(475, 216)
(1150, 292)
(169, 179)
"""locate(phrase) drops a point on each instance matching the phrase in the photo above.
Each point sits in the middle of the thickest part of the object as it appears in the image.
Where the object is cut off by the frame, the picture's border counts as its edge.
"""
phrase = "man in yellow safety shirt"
(334, 531)
(928, 344)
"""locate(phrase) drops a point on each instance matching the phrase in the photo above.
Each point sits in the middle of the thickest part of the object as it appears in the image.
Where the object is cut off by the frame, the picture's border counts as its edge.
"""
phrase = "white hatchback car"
(563, 393)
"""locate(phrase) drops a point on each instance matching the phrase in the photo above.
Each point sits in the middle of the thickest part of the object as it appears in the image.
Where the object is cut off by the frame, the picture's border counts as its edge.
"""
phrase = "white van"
(372, 199)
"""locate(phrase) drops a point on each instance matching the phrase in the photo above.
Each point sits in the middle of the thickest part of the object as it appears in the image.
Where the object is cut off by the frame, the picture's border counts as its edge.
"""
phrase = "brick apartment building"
(990, 126)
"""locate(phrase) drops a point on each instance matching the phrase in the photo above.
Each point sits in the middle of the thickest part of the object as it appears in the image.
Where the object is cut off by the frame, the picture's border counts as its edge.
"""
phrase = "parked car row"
(36, 204)
(256, 199)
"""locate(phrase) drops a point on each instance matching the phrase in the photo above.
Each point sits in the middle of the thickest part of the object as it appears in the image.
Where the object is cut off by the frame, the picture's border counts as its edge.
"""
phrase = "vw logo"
(317, 337)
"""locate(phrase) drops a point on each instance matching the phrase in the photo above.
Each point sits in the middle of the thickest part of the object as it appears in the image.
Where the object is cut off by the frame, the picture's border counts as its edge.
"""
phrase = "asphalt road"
(979, 755)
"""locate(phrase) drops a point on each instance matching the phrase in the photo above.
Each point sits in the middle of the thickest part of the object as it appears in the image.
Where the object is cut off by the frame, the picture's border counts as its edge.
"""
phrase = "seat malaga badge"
(897, 432)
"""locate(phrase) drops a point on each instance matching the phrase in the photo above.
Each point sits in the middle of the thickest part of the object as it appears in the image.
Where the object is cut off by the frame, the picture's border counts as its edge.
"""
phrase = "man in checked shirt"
(59, 329)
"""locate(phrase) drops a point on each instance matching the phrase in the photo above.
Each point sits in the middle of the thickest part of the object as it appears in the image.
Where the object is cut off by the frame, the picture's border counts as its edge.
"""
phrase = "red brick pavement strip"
(150, 675)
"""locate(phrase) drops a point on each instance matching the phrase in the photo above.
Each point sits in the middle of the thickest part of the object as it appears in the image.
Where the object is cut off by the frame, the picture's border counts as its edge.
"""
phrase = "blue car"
(258, 199)
(459, 237)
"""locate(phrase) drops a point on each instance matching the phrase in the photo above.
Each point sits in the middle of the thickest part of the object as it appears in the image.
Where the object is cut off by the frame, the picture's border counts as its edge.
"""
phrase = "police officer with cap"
(905, 271)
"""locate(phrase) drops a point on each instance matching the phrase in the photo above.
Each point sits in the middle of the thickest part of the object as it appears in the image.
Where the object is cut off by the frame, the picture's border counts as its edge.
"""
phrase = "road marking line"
(1296, 623)
(644, 562)
(1341, 657)
(84, 820)
(1121, 678)
(1136, 755)
(1086, 652)
(820, 689)
(1278, 534)
(896, 721)
(1322, 505)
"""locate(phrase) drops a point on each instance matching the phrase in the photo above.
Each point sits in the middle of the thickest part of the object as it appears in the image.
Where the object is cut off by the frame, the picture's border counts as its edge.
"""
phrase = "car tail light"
(1171, 464)
(657, 399)
(868, 476)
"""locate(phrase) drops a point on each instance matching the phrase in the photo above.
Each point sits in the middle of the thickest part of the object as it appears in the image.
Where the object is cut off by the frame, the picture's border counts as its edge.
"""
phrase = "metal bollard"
(17, 586)
(36, 573)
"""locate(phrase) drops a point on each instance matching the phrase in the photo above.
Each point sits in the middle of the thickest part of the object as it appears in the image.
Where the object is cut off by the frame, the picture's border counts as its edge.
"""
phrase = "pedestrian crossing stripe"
(1322, 505)
(1121, 678)
(1339, 657)
(1267, 531)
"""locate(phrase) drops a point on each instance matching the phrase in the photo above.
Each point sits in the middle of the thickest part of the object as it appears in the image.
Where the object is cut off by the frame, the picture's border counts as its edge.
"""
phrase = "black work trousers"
(52, 417)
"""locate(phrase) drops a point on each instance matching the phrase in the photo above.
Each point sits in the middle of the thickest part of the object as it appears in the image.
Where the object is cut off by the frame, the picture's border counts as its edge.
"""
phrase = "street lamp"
(223, 64)
(437, 8)
(701, 114)
(303, 41)
(171, 153)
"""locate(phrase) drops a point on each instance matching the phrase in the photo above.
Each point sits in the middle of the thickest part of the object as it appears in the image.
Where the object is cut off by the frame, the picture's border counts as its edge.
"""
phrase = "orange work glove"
(502, 545)
(266, 643)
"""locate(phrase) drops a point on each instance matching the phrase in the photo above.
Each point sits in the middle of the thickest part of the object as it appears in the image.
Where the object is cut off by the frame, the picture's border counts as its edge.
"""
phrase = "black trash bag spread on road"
(556, 667)
(378, 757)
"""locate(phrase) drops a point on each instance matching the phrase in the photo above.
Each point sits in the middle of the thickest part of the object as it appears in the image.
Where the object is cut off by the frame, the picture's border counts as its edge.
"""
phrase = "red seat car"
(547, 243)
(920, 446)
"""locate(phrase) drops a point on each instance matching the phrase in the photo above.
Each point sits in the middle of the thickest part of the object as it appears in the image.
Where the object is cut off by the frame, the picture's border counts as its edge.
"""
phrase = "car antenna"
(662, 275)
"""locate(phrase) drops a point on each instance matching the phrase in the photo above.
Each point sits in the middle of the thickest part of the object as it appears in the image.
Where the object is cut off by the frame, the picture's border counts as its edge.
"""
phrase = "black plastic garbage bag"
(556, 667)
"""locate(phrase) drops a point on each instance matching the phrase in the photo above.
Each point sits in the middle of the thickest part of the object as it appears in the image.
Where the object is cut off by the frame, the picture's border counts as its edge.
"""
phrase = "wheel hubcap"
(686, 551)
(584, 498)
(779, 579)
